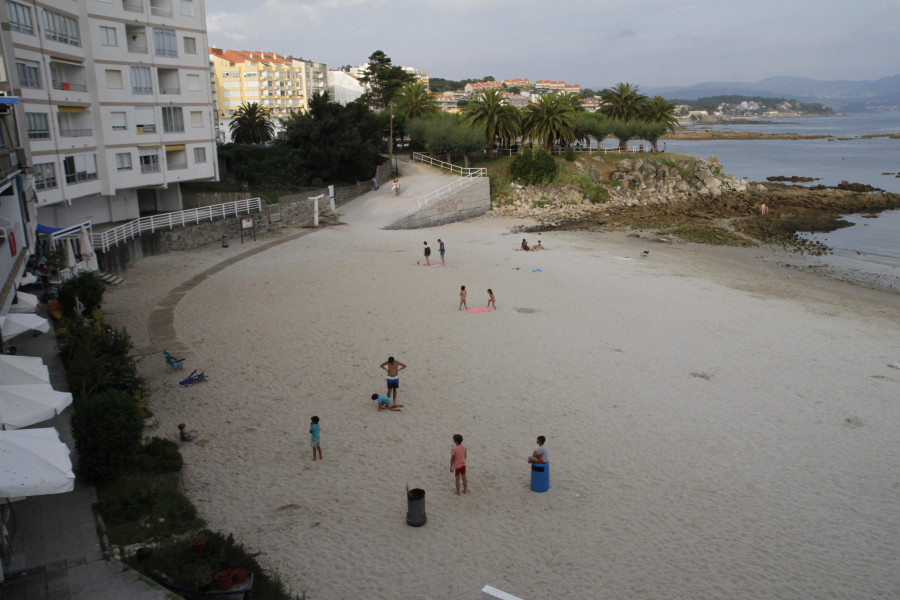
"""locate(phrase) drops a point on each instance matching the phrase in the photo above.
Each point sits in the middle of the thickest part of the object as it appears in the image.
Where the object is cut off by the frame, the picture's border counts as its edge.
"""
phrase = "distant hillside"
(843, 96)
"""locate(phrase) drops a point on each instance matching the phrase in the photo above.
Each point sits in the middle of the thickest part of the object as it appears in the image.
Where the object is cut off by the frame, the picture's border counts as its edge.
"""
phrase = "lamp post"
(391, 141)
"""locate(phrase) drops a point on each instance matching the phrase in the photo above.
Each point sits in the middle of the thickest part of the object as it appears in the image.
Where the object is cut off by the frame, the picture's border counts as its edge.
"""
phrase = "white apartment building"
(116, 102)
(343, 88)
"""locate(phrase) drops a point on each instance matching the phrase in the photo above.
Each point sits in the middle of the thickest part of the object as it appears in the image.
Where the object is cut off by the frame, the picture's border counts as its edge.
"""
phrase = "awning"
(60, 232)
(70, 109)
(151, 147)
(9, 99)
(175, 147)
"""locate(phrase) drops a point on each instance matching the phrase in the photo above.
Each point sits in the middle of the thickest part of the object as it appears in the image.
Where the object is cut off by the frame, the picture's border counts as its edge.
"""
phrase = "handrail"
(112, 237)
(424, 158)
(453, 185)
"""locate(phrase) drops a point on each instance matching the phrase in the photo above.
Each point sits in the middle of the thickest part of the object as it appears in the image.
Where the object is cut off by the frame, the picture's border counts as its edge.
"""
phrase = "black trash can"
(224, 241)
(415, 511)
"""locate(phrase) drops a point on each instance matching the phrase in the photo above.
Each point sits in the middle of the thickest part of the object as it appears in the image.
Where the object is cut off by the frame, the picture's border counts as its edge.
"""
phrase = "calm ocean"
(875, 162)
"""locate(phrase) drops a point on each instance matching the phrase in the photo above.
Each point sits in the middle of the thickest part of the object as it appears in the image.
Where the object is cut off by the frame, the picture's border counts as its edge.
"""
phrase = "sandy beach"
(719, 426)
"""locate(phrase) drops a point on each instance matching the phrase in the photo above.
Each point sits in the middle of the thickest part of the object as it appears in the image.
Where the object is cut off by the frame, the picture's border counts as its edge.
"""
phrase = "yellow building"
(279, 83)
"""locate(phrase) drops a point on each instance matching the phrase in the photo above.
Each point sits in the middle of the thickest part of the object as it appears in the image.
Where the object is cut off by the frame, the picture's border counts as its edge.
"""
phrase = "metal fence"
(107, 239)
(425, 159)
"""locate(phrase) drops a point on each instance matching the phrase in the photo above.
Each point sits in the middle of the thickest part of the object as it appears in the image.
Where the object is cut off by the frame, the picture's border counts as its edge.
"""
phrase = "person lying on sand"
(385, 403)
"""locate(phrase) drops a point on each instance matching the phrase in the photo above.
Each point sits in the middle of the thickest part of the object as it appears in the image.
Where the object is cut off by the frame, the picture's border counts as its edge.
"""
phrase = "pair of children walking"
(462, 299)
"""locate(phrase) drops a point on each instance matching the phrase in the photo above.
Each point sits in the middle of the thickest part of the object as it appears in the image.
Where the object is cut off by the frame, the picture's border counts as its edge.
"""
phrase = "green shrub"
(533, 166)
(140, 507)
(87, 287)
(569, 154)
(159, 456)
(96, 358)
(107, 429)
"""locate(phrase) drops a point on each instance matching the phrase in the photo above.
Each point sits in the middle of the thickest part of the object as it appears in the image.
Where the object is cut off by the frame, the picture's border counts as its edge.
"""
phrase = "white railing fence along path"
(468, 176)
(107, 239)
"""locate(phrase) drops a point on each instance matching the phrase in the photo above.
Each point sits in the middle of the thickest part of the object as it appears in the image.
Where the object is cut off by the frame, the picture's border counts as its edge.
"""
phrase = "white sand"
(718, 427)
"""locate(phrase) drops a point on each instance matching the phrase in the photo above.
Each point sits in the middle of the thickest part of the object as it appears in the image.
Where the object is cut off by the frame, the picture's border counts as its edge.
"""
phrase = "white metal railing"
(425, 159)
(454, 185)
(107, 239)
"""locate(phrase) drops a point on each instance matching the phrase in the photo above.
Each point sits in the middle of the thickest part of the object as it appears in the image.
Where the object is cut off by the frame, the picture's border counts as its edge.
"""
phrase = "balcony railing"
(151, 168)
(137, 49)
(170, 90)
(133, 6)
(75, 132)
(170, 52)
(69, 86)
(158, 11)
(141, 90)
(145, 129)
(176, 165)
(79, 177)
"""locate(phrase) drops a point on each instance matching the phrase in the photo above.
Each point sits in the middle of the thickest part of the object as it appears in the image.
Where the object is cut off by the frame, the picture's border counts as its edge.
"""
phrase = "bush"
(159, 456)
(569, 154)
(87, 287)
(140, 507)
(107, 429)
(96, 358)
(533, 166)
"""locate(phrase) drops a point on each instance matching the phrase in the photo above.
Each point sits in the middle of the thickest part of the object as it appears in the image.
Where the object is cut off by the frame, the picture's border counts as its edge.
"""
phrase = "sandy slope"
(718, 427)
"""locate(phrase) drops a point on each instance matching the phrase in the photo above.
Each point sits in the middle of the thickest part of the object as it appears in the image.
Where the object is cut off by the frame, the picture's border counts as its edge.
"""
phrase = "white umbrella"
(25, 303)
(27, 278)
(87, 250)
(70, 254)
(34, 462)
(15, 323)
(23, 370)
(24, 405)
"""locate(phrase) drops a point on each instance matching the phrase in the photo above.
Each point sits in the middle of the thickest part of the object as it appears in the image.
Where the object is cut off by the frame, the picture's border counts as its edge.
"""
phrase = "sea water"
(845, 155)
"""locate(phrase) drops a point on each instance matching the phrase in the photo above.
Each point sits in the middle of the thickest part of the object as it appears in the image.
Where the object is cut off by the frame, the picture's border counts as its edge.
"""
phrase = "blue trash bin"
(540, 477)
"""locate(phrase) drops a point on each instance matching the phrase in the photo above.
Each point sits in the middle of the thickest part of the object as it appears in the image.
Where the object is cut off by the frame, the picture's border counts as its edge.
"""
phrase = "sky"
(595, 43)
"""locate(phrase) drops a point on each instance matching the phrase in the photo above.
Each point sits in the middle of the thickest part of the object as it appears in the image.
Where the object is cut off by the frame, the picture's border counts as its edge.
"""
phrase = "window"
(149, 161)
(29, 74)
(199, 155)
(172, 119)
(196, 118)
(161, 8)
(190, 45)
(118, 120)
(61, 28)
(145, 119)
(19, 17)
(44, 176)
(114, 79)
(80, 167)
(141, 80)
(108, 36)
(193, 83)
(38, 126)
(164, 42)
(123, 161)
(187, 8)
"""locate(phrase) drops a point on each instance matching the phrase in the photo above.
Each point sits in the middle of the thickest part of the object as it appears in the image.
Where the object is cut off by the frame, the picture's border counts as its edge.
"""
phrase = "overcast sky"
(595, 43)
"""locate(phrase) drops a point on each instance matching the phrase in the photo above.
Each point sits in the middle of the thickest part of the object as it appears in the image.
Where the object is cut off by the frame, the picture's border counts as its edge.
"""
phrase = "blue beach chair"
(172, 362)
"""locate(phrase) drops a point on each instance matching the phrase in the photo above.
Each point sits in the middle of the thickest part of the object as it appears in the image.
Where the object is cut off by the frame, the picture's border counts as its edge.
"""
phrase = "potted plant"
(240, 575)
(203, 578)
(198, 542)
(224, 579)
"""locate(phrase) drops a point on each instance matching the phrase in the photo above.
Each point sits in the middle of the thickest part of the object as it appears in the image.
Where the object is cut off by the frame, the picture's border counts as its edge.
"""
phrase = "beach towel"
(622, 258)
(536, 271)
(478, 310)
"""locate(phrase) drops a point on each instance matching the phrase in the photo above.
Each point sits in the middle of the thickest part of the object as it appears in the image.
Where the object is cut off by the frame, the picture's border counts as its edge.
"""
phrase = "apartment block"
(281, 84)
(116, 102)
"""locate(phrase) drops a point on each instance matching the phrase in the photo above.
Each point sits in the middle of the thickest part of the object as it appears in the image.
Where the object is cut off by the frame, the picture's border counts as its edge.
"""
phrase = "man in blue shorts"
(393, 368)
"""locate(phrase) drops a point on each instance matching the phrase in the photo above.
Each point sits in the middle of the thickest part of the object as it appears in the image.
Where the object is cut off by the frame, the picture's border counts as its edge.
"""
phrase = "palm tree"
(414, 101)
(488, 113)
(251, 125)
(552, 119)
(658, 110)
(622, 101)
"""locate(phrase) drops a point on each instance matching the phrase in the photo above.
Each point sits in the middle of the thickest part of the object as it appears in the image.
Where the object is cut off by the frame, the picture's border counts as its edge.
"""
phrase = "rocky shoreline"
(694, 200)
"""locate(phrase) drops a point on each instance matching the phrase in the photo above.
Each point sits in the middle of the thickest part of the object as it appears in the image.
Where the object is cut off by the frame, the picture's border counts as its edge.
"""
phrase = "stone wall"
(471, 201)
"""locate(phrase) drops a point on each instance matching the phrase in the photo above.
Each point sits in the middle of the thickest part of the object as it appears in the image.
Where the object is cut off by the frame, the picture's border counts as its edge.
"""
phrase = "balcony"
(75, 132)
(176, 165)
(79, 177)
(69, 86)
(133, 6)
(138, 48)
(150, 168)
(169, 90)
(141, 129)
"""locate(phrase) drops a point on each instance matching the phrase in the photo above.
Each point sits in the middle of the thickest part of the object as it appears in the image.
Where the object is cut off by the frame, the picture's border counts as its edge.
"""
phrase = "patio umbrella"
(70, 254)
(34, 462)
(23, 370)
(87, 250)
(27, 404)
(25, 303)
(15, 323)
(27, 278)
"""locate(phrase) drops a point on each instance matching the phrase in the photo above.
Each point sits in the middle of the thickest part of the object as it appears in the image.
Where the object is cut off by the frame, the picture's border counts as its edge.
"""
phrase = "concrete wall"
(471, 201)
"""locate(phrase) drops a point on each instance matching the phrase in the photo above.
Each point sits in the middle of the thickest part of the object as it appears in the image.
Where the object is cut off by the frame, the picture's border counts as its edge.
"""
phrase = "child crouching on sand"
(385, 403)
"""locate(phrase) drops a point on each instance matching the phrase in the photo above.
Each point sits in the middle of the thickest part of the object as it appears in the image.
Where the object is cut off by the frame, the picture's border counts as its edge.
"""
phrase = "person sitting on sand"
(525, 245)
(537, 246)
(385, 403)
(540, 456)
(185, 435)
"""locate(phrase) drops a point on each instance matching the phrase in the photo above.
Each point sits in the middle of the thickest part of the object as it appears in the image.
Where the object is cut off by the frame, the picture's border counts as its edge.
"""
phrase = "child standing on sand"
(491, 300)
(462, 298)
(314, 437)
(458, 463)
